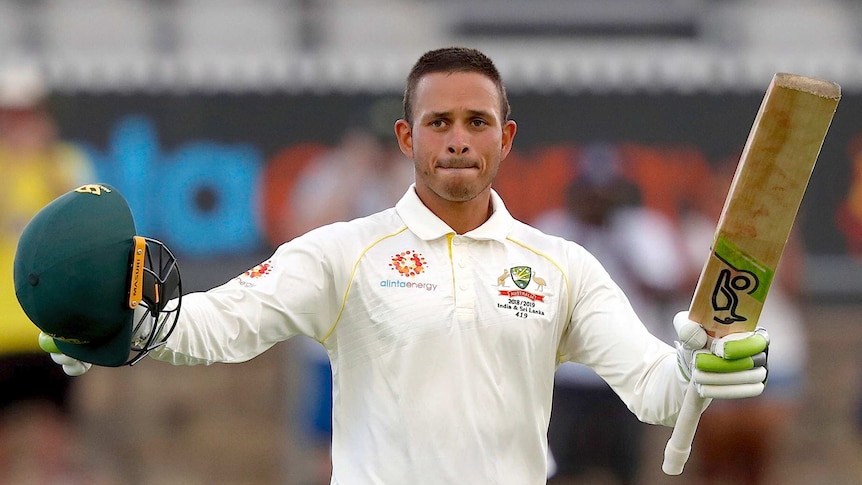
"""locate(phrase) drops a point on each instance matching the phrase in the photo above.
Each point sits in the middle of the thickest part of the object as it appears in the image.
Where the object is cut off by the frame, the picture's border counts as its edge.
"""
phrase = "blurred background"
(233, 126)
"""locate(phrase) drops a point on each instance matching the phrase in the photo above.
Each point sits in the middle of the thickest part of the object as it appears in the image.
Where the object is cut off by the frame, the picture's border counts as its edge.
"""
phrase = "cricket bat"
(755, 223)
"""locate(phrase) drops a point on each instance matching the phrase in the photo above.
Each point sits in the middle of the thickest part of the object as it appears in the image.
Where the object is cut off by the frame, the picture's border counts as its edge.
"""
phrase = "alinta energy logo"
(259, 271)
(408, 264)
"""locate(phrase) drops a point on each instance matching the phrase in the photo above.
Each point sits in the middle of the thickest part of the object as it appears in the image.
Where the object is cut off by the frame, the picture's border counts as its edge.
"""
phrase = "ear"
(404, 134)
(509, 130)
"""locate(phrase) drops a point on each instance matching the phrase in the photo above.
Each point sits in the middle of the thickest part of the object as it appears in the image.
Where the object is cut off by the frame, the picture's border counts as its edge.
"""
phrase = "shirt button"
(463, 287)
(462, 264)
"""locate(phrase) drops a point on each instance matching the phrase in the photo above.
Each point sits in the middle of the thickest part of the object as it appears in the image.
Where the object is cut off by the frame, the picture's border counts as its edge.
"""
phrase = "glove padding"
(71, 366)
(730, 367)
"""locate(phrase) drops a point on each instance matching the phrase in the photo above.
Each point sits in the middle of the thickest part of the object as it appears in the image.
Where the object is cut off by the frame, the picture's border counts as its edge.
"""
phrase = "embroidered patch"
(522, 276)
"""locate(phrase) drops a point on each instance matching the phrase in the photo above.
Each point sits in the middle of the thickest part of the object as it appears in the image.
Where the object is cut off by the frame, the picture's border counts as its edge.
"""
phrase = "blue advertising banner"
(215, 175)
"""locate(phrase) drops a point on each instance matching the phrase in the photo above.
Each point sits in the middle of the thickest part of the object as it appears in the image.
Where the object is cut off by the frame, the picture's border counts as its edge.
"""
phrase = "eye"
(438, 123)
(478, 122)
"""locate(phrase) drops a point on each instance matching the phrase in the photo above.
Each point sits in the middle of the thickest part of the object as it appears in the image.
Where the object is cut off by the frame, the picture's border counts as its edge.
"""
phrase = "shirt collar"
(422, 222)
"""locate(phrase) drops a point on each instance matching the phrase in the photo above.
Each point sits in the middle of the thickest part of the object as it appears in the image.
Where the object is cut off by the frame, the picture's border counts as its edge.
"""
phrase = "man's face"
(458, 137)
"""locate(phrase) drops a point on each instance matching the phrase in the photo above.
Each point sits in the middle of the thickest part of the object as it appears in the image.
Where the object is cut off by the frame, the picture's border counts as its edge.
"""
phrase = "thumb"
(691, 334)
(46, 343)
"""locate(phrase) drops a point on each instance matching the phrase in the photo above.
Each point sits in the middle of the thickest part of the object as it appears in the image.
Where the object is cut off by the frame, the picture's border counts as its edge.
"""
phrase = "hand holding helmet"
(99, 293)
(72, 367)
(143, 333)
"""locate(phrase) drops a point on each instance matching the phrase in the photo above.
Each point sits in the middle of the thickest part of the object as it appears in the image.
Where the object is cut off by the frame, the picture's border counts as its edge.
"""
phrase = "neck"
(462, 217)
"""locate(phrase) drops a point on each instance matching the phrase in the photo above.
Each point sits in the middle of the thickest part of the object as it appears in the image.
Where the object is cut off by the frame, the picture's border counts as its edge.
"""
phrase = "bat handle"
(679, 445)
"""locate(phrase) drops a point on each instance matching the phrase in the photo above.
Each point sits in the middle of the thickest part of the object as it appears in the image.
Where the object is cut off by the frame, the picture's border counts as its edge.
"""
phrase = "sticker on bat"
(740, 286)
(725, 295)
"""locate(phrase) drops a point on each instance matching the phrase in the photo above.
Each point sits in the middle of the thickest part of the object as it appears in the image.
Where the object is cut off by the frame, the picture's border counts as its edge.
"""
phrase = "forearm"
(658, 395)
(213, 330)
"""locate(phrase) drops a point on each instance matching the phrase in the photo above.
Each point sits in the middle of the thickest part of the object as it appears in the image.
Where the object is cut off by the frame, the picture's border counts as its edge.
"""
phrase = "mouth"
(457, 165)
(456, 169)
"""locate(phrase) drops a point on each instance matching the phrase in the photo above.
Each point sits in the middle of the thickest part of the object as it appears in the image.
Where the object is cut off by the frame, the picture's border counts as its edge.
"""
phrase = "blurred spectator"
(358, 177)
(848, 217)
(738, 442)
(364, 174)
(35, 431)
(591, 432)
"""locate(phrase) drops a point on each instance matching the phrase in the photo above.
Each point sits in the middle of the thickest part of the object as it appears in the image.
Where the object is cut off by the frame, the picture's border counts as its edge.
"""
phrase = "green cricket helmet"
(82, 275)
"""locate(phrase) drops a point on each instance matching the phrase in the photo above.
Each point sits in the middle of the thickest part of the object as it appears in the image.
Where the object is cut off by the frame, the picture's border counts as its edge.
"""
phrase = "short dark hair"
(448, 60)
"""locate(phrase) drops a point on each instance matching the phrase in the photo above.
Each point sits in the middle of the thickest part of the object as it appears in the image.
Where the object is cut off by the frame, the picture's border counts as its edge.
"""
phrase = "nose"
(458, 144)
(458, 149)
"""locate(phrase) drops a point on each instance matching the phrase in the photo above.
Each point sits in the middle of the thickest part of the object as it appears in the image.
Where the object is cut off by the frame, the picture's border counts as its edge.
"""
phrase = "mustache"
(457, 162)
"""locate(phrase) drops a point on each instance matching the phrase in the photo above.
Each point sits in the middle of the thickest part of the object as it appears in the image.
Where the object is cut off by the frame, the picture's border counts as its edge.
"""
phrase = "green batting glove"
(734, 367)
(46, 343)
(731, 367)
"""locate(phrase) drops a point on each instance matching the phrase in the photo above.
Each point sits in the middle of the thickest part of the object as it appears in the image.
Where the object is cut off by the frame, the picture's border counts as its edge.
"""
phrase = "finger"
(63, 359)
(752, 376)
(76, 369)
(730, 392)
(739, 345)
(708, 362)
(752, 345)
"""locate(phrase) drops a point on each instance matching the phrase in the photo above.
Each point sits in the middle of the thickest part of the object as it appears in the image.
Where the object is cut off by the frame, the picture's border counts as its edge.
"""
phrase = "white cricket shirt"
(443, 346)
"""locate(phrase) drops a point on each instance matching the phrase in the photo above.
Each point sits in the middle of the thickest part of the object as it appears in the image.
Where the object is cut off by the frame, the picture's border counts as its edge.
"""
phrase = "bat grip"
(679, 445)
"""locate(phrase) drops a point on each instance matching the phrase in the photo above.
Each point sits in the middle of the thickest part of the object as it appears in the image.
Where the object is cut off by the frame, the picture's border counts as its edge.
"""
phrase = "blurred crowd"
(36, 433)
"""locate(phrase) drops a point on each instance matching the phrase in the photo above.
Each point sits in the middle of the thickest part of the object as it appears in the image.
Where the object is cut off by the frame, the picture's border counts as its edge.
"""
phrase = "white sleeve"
(292, 293)
(605, 334)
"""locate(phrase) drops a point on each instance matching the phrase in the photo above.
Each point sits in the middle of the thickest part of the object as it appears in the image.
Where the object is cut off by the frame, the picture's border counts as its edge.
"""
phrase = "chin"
(462, 192)
(460, 196)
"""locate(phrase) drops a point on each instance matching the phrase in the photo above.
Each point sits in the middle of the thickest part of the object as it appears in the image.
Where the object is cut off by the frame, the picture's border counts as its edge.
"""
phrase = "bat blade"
(762, 203)
(755, 223)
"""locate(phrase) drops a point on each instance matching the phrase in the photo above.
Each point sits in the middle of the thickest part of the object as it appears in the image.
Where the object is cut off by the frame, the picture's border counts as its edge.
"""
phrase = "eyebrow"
(472, 113)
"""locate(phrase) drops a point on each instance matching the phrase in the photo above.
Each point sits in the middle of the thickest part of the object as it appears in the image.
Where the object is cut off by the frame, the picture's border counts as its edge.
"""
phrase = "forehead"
(441, 92)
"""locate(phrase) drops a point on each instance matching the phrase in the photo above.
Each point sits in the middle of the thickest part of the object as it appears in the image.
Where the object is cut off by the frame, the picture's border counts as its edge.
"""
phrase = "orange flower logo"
(262, 269)
(408, 263)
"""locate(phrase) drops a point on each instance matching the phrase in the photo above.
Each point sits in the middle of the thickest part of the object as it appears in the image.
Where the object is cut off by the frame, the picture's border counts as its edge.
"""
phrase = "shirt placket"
(464, 276)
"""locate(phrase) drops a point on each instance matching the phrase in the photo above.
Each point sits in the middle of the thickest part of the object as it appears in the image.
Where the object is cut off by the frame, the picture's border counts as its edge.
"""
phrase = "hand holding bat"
(730, 367)
(753, 228)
